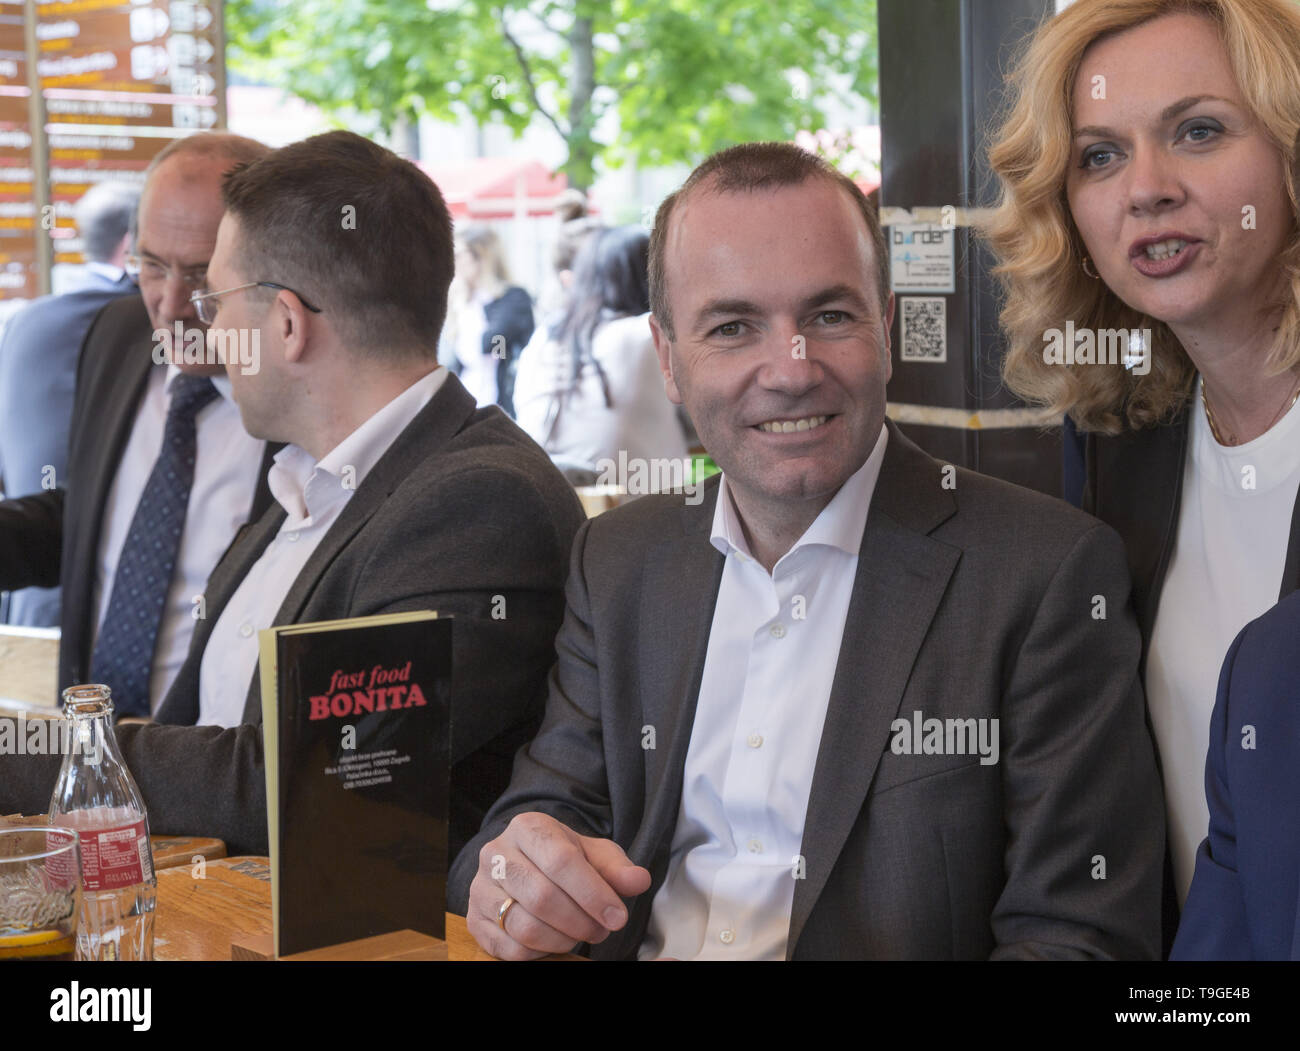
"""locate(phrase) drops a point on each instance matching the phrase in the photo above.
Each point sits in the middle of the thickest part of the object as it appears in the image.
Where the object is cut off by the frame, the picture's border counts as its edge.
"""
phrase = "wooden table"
(196, 919)
(29, 671)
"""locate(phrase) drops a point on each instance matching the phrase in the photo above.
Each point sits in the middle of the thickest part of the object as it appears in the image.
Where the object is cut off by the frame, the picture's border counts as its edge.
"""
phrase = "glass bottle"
(96, 796)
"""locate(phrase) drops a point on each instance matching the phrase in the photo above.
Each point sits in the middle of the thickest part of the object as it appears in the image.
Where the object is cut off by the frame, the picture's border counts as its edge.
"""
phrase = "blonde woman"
(489, 320)
(1149, 203)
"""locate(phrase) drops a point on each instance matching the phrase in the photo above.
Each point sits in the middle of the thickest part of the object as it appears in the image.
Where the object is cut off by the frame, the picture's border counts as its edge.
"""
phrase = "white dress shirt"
(226, 468)
(575, 426)
(1225, 571)
(313, 495)
(773, 648)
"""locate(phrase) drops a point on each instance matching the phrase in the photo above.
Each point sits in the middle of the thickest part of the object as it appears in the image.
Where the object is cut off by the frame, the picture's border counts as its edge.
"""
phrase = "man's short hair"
(357, 230)
(104, 215)
(746, 168)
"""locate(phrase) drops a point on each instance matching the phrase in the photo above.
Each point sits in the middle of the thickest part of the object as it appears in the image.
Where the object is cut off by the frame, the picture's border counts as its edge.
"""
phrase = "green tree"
(685, 77)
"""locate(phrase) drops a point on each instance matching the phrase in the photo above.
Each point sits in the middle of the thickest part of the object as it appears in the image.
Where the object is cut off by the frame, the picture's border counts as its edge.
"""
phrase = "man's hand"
(566, 889)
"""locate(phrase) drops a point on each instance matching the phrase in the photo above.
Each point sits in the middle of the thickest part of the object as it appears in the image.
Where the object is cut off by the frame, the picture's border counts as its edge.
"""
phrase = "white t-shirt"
(641, 420)
(1233, 528)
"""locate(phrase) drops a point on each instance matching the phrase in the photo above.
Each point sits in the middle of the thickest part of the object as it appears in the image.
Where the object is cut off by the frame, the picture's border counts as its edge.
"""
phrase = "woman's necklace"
(1230, 438)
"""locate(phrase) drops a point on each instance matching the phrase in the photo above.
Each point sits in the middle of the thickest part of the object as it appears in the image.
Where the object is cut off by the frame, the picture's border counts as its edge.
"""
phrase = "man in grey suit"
(855, 703)
(393, 493)
(38, 367)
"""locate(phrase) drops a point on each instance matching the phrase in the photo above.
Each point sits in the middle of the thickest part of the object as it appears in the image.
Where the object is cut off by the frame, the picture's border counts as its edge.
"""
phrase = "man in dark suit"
(855, 703)
(38, 367)
(128, 598)
(393, 492)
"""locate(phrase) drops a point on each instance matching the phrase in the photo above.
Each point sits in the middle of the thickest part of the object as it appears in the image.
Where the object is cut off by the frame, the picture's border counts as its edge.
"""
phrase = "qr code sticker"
(925, 336)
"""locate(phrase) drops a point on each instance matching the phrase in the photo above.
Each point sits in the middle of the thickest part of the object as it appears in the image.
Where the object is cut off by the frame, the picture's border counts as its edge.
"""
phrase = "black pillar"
(941, 91)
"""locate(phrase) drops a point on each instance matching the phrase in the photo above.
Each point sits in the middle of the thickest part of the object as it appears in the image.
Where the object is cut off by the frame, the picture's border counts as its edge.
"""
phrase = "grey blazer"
(970, 602)
(462, 507)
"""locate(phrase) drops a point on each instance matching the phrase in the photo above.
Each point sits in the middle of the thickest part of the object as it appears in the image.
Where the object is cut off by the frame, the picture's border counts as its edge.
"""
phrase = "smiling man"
(857, 703)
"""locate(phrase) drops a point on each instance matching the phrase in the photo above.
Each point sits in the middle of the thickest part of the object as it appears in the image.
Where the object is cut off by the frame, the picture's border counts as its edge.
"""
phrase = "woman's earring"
(1086, 261)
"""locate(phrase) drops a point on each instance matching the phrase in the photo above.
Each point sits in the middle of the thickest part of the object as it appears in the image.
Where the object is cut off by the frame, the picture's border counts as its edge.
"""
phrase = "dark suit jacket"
(1245, 898)
(38, 370)
(53, 537)
(1133, 482)
(463, 507)
(968, 603)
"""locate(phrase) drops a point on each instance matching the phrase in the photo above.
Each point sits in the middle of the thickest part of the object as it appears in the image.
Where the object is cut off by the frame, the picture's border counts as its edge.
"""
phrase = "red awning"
(497, 187)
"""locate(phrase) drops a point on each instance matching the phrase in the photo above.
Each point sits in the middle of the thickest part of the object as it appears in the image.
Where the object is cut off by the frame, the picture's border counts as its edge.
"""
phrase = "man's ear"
(290, 321)
(663, 346)
(888, 349)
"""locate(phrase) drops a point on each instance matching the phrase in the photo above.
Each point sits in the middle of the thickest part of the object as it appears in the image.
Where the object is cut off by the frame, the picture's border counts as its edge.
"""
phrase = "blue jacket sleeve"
(1214, 924)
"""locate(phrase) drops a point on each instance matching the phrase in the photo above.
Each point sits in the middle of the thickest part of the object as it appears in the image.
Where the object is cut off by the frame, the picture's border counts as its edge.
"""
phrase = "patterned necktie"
(123, 657)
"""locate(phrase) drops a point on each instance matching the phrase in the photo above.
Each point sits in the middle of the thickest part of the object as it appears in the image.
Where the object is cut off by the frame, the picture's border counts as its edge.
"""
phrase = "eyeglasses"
(150, 271)
(206, 304)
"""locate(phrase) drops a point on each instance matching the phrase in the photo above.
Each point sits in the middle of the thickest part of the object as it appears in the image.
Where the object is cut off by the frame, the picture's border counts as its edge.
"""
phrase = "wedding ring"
(501, 912)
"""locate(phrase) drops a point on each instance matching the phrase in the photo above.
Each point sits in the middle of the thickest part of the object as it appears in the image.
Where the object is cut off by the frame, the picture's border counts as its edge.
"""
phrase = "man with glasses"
(161, 473)
(393, 492)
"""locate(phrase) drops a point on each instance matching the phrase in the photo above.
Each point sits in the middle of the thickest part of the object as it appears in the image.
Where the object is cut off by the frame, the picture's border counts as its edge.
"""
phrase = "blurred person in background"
(490, 319)
(593, 388)
(38, 367)
(576, 225)
(1146, 190)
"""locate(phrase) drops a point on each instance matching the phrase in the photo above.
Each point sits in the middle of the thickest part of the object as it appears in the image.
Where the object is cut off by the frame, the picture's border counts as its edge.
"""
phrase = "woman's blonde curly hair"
(1034, 238)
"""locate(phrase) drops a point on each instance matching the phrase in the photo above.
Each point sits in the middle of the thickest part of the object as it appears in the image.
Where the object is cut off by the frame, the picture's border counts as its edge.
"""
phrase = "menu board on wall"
(18, 277)
(118, 82)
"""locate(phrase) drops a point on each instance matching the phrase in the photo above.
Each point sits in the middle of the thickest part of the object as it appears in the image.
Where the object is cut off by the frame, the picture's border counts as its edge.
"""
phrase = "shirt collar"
(840, 524)
(306, 489)
(221, 381)
(108, 270)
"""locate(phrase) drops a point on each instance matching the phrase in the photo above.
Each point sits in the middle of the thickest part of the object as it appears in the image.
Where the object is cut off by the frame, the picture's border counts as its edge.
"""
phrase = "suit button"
(777, 630)
(727, 937)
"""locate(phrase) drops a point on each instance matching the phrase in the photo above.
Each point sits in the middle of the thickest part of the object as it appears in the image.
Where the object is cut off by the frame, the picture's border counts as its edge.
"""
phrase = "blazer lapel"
(433, 426)
(121, 402)
(262, 498)
(679, 589)
(901, 579)
(181, 705)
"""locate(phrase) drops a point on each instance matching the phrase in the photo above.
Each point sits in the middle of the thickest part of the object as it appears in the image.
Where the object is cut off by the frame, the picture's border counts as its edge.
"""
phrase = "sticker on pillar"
(924, 329)
(922, 257)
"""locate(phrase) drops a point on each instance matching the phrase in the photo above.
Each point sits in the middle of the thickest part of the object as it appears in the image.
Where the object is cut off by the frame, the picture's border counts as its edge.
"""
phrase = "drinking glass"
(40, 893)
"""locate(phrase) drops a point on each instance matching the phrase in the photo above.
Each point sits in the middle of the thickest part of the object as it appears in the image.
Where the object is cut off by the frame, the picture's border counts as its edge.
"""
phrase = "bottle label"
(112, 858)
(60, 869)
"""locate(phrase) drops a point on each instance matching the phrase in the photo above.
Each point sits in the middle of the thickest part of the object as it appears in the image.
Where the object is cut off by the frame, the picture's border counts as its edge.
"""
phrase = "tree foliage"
(683, 77)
